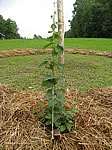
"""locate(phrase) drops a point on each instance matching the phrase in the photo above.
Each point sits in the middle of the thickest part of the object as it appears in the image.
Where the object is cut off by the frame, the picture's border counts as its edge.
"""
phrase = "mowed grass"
(81, 71)
(22, 43)
(99, 44)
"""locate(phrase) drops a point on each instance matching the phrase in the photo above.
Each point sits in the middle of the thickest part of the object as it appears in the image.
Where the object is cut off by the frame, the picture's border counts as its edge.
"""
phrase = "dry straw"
(30, 51)
(21, 130)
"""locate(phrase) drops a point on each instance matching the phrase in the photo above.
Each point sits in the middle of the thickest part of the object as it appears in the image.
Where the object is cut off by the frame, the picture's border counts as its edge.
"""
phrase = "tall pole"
(61, 27)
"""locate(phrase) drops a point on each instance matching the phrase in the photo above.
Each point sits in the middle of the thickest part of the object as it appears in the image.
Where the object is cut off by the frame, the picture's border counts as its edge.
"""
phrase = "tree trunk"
(61, 27)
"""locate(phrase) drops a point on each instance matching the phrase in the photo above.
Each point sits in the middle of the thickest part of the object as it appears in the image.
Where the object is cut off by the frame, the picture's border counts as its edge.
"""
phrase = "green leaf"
(50, 78)
(50, 31)
(50, 38)
(48, 45)
(49, 122)
(56, 36)
(41, 114)
(74, 101)
(49, 81)
(53, 27)
(45, 62)
(59, 96)
(62, 128)
(70, 121)
(48, 116)
(57, 117)
(57, 123)
(69, 126)
(40, 104)
(59, 91)
(34, 112)
(49, 94)
(68, 115)
(54, 53)
(52, 103)
(46, 83)
(57, 120)
(59, 49)
(74, 110)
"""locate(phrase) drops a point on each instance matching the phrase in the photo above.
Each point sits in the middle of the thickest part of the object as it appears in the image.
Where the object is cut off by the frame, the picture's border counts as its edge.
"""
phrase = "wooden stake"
(61, 27)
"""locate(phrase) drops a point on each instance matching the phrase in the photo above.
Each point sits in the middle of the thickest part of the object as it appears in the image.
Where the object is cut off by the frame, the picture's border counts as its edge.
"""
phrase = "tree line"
(91, 18)
(9, 28)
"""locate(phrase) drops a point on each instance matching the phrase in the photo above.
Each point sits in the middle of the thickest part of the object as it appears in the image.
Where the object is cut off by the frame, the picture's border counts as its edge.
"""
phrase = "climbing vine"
(55, 115)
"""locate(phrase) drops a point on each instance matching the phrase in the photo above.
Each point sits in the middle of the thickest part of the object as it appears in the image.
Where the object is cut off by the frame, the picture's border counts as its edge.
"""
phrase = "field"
(82, 43)
(81, 71)
(88, 81)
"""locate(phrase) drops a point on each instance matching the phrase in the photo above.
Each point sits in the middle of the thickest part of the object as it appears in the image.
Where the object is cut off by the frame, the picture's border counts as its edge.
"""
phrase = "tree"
(37, 37)
(91, 18)
(68, 34)
(2, 24)
(9, 28)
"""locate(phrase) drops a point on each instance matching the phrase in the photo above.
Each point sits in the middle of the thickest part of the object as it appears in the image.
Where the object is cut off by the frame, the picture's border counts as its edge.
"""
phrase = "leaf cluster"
(55, 112)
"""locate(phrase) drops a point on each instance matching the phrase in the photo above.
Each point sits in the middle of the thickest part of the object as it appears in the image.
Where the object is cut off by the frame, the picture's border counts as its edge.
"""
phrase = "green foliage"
(55, 115)
(91, 18)
(9, 28)
(37, 37)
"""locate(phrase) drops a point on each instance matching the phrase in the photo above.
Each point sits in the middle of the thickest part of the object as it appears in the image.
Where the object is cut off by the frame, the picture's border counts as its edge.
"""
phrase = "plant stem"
(53, 88)
(52, 123)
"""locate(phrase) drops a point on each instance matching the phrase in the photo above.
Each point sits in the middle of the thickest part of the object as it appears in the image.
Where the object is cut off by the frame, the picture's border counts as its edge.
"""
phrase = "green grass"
(90, 43)
(22, 43)
(83, 43)
(81, 71)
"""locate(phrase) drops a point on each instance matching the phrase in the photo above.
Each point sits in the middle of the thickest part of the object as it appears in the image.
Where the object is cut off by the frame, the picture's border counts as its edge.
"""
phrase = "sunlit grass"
(83, 43)
(81, 72)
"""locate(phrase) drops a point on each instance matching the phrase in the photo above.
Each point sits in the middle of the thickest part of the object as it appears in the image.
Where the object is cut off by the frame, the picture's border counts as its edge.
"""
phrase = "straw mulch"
(21, 130)
(30, 51)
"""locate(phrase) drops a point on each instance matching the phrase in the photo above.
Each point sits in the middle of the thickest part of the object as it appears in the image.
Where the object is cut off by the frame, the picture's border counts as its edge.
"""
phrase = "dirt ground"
(21, 130)
(29, 51)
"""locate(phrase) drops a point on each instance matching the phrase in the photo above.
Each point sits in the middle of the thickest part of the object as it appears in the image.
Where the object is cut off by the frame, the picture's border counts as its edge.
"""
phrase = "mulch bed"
(20, 129)
(30, 51)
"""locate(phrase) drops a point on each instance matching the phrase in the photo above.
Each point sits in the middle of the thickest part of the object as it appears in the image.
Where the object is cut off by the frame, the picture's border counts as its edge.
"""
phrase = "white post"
(61, 27)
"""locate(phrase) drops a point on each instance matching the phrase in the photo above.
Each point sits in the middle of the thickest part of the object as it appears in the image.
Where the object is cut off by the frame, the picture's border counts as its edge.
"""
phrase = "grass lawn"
(81, 71)
(22, 43)
(90, 43)
(83, 43)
